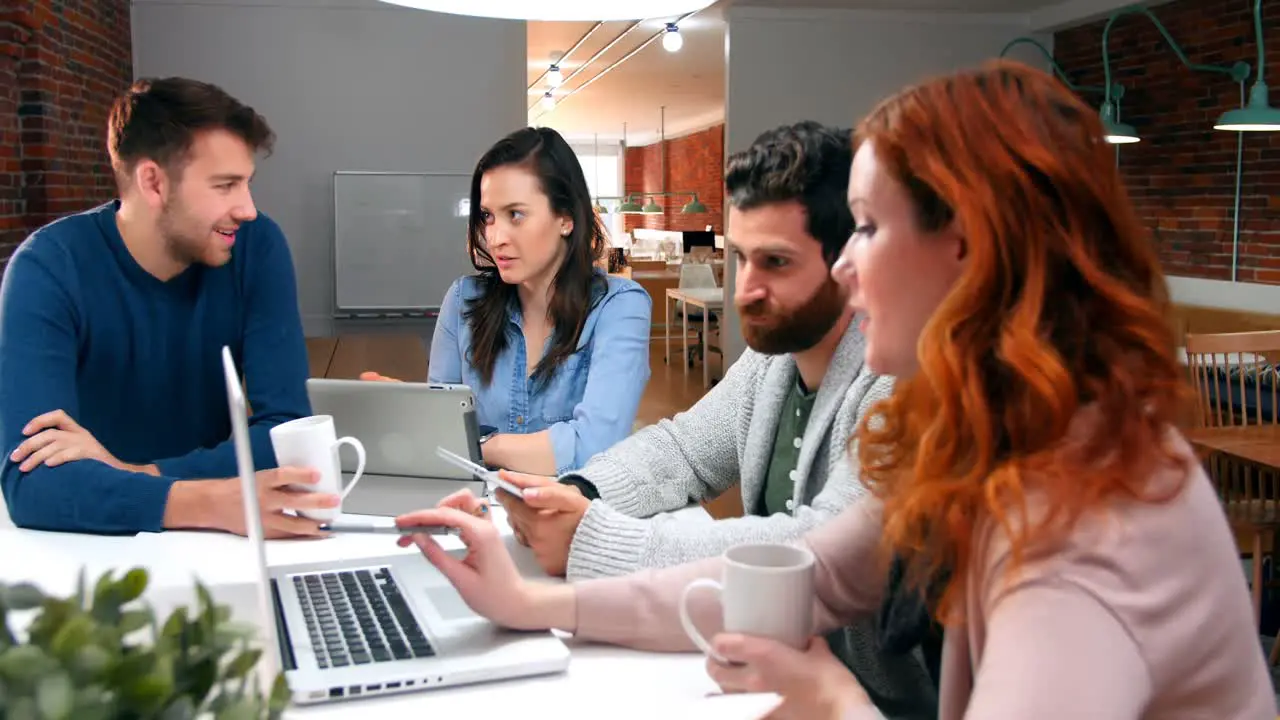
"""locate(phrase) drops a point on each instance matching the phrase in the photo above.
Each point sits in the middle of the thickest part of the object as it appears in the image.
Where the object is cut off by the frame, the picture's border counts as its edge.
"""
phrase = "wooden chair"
(1237, 385)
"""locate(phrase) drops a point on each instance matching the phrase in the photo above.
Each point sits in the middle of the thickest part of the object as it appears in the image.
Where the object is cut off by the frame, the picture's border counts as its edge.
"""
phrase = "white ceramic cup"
(766, 590)
(312, 442)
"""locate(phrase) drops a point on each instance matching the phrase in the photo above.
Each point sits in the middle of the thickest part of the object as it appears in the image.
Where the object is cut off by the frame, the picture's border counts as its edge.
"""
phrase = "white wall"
(346, 85)
(833, 66)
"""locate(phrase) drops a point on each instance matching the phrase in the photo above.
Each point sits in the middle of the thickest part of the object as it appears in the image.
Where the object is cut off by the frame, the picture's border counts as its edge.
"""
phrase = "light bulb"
(548, 102)
(555, 78)
(671, 40)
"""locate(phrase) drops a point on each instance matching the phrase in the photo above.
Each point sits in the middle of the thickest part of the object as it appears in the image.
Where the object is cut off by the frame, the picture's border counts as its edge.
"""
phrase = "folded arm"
(38, 350)
(274, 361)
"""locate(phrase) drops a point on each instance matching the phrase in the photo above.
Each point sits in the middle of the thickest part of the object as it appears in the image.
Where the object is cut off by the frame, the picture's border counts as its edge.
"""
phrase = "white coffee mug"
(766, 590)
(312, 442)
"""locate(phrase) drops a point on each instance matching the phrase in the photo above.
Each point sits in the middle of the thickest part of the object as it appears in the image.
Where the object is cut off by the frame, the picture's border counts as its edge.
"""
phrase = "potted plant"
(104, 656)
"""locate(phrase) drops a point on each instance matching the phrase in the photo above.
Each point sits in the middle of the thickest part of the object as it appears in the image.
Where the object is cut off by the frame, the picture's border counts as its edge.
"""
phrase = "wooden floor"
(670, 389)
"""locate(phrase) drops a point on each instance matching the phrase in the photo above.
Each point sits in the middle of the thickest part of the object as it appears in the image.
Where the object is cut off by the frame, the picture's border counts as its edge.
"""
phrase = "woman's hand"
(371, 375)
(467, 502)
(813, 684)
(487, 578)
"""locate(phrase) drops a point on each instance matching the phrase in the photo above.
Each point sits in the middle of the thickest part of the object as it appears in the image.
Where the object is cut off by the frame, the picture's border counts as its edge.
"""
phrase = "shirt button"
(519, 419)
(794, 475)
(796, 443)
(791, 505)
(797, 412)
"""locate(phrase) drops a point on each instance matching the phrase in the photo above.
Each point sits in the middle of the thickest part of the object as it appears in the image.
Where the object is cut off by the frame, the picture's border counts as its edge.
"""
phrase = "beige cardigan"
(1143, 613)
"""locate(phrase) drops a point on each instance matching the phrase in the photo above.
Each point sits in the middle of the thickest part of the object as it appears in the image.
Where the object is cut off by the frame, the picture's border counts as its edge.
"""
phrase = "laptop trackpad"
(449, 604)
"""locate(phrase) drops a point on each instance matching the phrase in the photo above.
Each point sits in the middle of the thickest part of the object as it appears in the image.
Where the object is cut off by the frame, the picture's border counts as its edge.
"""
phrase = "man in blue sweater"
(113, 408)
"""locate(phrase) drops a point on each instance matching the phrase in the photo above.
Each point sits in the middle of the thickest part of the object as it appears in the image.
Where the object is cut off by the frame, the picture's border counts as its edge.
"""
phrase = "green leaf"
(199, 678)
(132, 621)
(23, 596)
(132, 585)
(176, 622)
(242, 664)
(281, 694)
(149, 693)
(22, 664)
(55, 696)
(74, 634)
(94, 703)
(90, 662)
(23, 708)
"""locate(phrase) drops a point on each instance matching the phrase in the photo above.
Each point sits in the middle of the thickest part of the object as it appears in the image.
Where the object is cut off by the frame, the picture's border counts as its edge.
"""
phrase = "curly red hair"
(1061, 306)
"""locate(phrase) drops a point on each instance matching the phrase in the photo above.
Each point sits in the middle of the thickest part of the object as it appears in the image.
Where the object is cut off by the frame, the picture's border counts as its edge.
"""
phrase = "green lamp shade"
(1116, 133)
(1257, 116)
(694, 207)
(1120, 134)
(651, 208)
(629, 207)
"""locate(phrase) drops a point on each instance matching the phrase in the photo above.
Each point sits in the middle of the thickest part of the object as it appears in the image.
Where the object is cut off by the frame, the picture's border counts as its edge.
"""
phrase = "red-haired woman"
(1028, 476)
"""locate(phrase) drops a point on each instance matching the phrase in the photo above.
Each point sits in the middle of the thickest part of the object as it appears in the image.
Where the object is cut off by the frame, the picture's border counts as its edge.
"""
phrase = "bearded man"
(113, 405)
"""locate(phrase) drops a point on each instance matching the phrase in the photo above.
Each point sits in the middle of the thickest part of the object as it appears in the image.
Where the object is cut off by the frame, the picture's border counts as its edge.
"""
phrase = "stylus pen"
(389, 529)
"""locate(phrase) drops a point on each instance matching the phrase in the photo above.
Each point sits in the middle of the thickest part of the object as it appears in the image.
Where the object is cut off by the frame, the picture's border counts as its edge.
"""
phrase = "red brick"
(694, 164)
(1182, 175)
(61, 64)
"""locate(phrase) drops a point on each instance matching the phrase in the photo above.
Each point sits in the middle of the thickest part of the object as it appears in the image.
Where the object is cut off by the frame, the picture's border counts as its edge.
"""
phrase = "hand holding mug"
(312, 442)
(766, 591)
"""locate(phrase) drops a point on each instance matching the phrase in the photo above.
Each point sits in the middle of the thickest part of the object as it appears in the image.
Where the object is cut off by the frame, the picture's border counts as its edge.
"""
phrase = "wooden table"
(710, 300)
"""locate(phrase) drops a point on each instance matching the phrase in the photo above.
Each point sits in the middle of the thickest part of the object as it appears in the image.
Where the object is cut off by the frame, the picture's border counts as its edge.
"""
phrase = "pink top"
(1143, 613)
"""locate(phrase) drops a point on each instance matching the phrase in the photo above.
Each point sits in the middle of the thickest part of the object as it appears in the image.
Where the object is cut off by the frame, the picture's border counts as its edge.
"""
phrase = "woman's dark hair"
(576, 287)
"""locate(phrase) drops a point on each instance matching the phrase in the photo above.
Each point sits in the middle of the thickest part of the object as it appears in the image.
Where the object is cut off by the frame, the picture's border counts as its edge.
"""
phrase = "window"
(603, 172)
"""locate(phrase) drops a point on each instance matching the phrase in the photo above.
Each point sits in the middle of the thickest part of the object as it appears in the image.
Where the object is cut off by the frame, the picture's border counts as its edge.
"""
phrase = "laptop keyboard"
(357, 617)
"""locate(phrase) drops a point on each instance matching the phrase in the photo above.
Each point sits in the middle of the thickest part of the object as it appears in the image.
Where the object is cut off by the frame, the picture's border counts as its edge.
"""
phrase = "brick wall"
(694, 163)
(1182, 175)
(61, 64)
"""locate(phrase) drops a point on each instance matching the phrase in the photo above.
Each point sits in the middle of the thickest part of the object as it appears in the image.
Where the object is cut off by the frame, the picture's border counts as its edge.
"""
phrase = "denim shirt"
(590, 401)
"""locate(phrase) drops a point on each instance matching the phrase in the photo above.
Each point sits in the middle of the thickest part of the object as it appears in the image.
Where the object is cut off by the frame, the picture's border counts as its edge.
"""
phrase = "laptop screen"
(270, 664)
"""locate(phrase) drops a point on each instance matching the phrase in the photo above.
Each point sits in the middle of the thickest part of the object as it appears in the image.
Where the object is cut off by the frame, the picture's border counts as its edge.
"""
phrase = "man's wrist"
(151, 469)
(194, 505)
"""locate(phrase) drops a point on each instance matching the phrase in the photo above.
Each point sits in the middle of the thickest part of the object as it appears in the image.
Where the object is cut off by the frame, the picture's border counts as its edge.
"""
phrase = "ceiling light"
(555, 78)
(1258, 115)
(561, 10)
(671, 40)
(1116, 133)
(548, 102)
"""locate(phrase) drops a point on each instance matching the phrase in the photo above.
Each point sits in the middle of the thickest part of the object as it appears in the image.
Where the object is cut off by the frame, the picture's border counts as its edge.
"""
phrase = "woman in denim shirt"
(555, 350)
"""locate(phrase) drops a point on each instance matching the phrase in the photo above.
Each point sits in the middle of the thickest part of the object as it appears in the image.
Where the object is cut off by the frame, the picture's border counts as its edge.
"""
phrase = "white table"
(626, 682)
(710, 300)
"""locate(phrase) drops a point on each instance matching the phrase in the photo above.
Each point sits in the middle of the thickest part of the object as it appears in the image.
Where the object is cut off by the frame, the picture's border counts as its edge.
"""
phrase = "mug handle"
(689, 628)
(359, 448)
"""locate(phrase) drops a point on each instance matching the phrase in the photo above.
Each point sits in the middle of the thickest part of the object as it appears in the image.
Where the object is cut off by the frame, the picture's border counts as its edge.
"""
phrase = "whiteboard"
(400, 240)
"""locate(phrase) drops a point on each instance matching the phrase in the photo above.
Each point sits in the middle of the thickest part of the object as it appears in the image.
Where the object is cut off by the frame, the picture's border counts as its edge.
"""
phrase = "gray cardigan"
(700, 453)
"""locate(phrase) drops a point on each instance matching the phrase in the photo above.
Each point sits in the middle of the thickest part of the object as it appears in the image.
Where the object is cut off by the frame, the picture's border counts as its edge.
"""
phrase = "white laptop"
(400, 425)
(353, 628)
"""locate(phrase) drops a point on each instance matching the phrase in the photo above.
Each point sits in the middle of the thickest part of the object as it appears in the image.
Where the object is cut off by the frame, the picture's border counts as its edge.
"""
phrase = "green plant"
(89, 657)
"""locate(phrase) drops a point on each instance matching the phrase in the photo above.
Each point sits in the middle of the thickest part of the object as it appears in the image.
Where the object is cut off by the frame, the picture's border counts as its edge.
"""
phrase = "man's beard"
(182, 243)
(794, 330)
